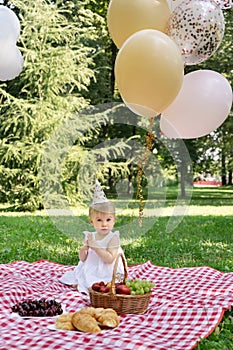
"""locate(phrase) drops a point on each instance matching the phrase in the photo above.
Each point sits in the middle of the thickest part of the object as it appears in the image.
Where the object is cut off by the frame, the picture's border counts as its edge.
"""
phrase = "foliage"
(60, 43)
(33, 104)
(66, 164)
(101, 89)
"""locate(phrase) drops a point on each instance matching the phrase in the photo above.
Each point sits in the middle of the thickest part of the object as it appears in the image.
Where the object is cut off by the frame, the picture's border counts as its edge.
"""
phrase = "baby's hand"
(83, 252)
(91, 241)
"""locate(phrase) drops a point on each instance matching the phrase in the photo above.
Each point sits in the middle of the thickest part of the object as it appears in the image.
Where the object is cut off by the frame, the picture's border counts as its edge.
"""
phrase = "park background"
(69, 65)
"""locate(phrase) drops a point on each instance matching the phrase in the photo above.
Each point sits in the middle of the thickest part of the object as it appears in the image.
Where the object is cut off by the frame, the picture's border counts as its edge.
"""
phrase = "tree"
(58, 68)
(102, 89)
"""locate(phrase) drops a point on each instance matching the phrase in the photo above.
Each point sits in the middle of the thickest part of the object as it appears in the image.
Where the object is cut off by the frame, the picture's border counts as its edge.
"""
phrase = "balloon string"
(149, 143)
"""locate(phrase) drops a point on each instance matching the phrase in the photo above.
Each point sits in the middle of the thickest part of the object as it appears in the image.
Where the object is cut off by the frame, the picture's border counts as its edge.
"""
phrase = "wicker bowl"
(121, 303)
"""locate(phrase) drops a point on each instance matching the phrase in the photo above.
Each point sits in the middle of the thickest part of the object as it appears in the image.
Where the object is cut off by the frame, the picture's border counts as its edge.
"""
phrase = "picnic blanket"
(186, 305)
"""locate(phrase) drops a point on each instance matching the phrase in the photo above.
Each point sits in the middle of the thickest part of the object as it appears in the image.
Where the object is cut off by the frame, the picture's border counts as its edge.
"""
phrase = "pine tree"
(57, 67)
(41, 122)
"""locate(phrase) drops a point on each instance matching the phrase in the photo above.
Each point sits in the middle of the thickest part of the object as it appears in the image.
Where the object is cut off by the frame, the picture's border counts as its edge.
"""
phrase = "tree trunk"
(182, 168)
(224, 178)
(182, 179)
(113, 58)
(230, 178)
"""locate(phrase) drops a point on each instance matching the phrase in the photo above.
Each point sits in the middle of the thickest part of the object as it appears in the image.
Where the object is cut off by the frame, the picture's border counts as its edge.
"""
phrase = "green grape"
(138, 286)
(144, 283)
(128, 284)
(132, 286)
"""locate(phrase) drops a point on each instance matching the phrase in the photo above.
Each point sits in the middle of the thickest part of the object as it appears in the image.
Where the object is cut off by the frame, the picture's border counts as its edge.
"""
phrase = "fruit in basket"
(122, 289)
(37, 308)
(104, 289)
(139, 287)
(96, 287)
(100, 287)
(133, 287)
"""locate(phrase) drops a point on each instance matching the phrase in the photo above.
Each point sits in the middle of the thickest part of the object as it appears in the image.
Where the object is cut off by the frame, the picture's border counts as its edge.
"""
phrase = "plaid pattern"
(186, 305)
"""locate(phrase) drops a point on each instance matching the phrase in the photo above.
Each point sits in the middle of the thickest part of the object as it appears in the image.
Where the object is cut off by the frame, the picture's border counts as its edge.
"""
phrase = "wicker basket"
(121, 303)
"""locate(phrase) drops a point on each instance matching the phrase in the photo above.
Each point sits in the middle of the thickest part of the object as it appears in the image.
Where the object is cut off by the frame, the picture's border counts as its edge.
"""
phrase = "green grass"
(203, 237)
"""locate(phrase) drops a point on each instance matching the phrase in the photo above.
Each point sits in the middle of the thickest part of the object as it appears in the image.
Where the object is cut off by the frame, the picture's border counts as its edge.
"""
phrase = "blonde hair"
(106, 208)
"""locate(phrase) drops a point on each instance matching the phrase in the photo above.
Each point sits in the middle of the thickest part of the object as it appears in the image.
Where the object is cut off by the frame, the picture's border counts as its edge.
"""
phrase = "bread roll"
(64, 321)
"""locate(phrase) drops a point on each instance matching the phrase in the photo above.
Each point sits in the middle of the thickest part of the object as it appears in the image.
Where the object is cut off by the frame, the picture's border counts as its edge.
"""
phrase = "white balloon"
(11, 61)
(223, 4)
(9, 24)
(173, 3)
(202, 105)
(197, 27)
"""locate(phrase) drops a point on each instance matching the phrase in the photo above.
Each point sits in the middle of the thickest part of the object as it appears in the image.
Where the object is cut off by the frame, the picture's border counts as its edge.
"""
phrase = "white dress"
(93, 269)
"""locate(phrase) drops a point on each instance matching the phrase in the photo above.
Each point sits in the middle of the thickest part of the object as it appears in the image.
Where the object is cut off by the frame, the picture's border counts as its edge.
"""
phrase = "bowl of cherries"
(37, 308)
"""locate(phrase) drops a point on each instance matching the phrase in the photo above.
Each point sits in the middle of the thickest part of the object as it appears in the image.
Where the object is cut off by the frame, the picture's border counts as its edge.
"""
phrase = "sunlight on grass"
(211, 244)
(157, 212)
(204, 201)
(210, 210)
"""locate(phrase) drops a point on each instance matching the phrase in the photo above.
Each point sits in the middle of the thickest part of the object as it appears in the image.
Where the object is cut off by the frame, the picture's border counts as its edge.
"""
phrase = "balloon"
(202, 105)
(125, 17)
(9, 24)
(149, 70)
(11, 61)
(140, 110)
(197, 27)
(173, 3)
(224, 4)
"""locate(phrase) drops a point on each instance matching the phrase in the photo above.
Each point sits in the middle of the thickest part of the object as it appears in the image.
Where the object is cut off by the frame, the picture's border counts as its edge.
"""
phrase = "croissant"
(88, 319)
(85, 322)
(64, 322)
(98, 312)
(88, 310)
(108, 318)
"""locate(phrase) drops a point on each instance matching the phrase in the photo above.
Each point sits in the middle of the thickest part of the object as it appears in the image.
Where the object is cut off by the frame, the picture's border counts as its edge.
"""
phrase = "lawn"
(202, 237)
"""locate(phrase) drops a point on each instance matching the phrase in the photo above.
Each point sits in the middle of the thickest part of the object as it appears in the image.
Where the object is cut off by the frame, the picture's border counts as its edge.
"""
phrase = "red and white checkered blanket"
(186, 305)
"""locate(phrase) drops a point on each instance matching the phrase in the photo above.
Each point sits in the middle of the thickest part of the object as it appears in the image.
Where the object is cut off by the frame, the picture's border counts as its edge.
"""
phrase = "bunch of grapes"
(139, 287)
(38, 308)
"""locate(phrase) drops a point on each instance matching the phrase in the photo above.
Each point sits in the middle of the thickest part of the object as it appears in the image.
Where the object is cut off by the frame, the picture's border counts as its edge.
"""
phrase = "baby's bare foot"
(75, 286)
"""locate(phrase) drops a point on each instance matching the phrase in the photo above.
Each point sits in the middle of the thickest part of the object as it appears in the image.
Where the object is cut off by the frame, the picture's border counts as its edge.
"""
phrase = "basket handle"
(113, 285)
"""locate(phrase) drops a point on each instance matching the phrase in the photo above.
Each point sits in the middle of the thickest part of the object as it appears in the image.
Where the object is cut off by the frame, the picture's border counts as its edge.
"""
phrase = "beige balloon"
(125, 17)
(149, 71)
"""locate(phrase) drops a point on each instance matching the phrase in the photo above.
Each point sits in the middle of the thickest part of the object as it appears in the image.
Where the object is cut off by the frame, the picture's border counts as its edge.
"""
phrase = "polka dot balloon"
(224, 4)
(197, 27)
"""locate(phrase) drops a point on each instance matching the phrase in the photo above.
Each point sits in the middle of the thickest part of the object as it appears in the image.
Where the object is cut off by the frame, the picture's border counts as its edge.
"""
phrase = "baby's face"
(102, 222)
